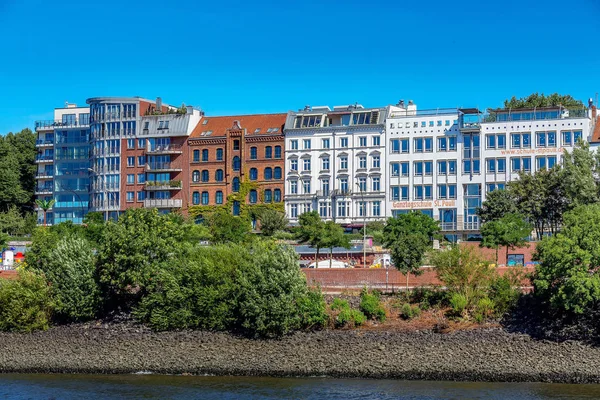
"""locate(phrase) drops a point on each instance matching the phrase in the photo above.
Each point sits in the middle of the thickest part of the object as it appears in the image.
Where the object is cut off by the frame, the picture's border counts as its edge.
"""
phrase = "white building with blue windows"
(335, 163)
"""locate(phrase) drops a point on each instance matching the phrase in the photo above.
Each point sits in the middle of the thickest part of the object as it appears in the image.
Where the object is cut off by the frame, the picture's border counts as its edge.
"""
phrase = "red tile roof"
(217, 126)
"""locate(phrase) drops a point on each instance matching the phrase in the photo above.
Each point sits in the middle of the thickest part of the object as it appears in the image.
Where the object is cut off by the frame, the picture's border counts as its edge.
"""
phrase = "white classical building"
(335, 163)
(444, 161)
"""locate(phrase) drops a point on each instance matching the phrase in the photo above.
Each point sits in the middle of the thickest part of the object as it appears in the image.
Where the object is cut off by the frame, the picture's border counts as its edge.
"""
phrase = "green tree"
(311, 230)
(131, 250)
(375, 230)
(577, 175)
(70, 269)
(227, 228)
(12, 222)
(45, 205)
(334, 236)
(567, 278)
(408, 237)
(94, 225)
(22, 145)
(11, 191)
(541, 100)
(497, 204)
(272, 221)
(43, 242)
(511, 231)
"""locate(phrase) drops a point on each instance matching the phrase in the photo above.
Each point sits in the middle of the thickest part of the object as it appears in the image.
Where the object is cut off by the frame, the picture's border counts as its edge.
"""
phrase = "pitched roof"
(257, 124)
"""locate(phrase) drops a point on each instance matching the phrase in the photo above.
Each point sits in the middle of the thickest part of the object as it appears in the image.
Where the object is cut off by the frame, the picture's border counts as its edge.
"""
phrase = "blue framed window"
(236, 208)
(268, 173)
(253, 174)
(253, 153)
(277, 151)
(277, 195)
(268, 152)
(219, 154)
(205, 175)
(236, 163)
(219, 197)
(196, 157)
(204, 198)
(219, 175)
(196, 198)
(235, 184)
(268, 196)
(253, 196)
(277, 173)
(205, 155)
(196, 176)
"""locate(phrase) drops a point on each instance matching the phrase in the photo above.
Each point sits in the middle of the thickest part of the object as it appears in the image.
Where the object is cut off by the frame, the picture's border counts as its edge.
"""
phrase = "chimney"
(158, 104)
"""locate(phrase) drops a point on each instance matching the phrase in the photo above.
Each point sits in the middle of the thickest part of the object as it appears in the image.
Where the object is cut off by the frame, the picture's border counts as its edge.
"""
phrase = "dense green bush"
(484, 310)
(371, 306)
(433, 297)
(313, 310)
(339, 304)
(70, 270)
(459, 303)
(25, 303)
(409, 312)
(505, 291)
(349, 317)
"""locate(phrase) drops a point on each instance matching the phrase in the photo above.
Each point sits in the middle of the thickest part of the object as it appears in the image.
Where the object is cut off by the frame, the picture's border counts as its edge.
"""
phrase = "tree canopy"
(541, 100)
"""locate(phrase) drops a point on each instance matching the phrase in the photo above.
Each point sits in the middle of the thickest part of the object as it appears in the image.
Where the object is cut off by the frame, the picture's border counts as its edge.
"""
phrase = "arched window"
(196, 198)
(277, 173)
(268, 173)
(253, 153)
(219, 154)
(253, 196)
(204, 198)
(205, 155)
(219, 175)
(236, 163)
(268, 196)
(277, 195)
(268, 152)
(235, 184)
(277, 151)
(236, 208)
(205, 175)
(196, 176)
(219, 197)
(196, 155)
(253, 174)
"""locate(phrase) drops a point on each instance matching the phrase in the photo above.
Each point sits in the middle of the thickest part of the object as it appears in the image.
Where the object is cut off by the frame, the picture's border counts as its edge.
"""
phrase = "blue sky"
(271, 56)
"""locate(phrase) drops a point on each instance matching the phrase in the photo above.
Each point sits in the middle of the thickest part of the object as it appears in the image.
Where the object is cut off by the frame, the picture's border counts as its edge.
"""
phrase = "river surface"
(96, 387)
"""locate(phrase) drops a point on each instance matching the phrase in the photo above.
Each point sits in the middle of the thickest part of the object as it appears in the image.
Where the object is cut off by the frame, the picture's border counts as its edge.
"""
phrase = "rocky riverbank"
(475, 355)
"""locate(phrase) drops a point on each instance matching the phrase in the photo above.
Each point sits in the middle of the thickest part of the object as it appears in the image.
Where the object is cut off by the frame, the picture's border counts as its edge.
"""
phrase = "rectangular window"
(490, 141)
(294, 210)
(306, 143)
(376, 208)
(325, 143)
(141, 143)
(429, 144)
(423, 124)
(325, 163)
(294, 144)
(501, 165)
(306, 164)
(405, 145)
(375, 184)
(306, 186)
(442, 168)
(130, 179)
(404, 168)
(141, 178)
(442, 192)
(343, 142)
(442, 144)
(141, 196)
(362, 141)
(491, 165)
(501, 141)
(452, 167)
(418, 168)
(395, 169)
(141, 161)
(130, 196)
(428, 192)
(344, 162)
(567, 139)
(325, 186)
(294, 165)
(294, 187)
(131, 161)
(428, 168)
(236, 145)
(362, 162)
(376, 162)
(131, 143)
(452, 143)
(376, 141)
(418, 192)
(395, 146)
(418, 143)
(344, 185)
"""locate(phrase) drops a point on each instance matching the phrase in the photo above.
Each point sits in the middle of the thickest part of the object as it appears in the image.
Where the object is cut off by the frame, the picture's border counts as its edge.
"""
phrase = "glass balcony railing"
(44, 158)
(48, 142)
(52, 124)
(71, 204)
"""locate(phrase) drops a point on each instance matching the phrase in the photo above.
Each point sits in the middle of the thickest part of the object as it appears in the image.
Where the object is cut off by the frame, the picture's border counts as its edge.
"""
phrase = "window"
(494, 165)
(236, 144)
(196, 198)
(253, 196)
(323, 209)
(418, 192)
(447, 122)
(325, 143)
(375, 184)
(204, 155)
(418, 143)
(268, 173)
(141, 178)
(545, 139)
(235, 184)
(236, 208)
(219, 155)
(130, 179)
(196, 176)
(325, 163)
(253, 174)
(395, 169)
(294, 144)
(277, 173)
(362, 141)
(141, 196)
(418, 168)
(131, 143)
(277, 195)
(376, 208)
(362, 184)
(545, 162)
(446, 191)
(431, 123)
(294, 165)
(405, 148)
(219, 175)
(131, 161)
(399, 192)
(268, 152)
(362, 208)
(253, 153)
(306, 164)
(204, 198)
(277, 151)
(141, 161)
(306, 144)
(490, 141)
(428, 145)
(520, 164)
(520, 140)
(219, 197)
(442, 168)
(344, 142)
(236, 163)
(362, 162)
(428, 168)
(306, 186)
(325, 187)
(376, 161)
(423, 124)
(452, 143)
(442, 144)
(130, 196)
(439, 123)
(268, 196)
(294, 187)
(344, 185)
(376, 141)
(196, 157)
(141, 143)
(294, 210)
(205, 175)
(343, 162)
(342, 208)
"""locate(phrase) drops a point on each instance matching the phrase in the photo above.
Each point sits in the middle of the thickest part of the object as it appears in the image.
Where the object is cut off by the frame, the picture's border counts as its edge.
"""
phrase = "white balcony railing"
(162, 203)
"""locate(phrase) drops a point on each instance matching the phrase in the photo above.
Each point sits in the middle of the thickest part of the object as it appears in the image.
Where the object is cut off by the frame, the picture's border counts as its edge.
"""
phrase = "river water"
(96, 387)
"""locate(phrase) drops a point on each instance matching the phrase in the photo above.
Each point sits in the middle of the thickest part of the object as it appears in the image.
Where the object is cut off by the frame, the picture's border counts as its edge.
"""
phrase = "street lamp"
(363, 208)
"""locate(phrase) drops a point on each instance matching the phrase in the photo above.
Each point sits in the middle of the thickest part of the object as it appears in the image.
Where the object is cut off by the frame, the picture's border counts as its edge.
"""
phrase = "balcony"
(44, 159)
(162, 203)
(171, 185)
(104, 206)
(51, 124)
(44, 175)
(100, 187)
(44, 143)
(167, 149)
(162, 167)
(45, 189)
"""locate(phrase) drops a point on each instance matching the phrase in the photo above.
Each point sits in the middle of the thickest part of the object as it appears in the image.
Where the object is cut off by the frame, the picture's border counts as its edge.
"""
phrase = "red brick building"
(225, 152)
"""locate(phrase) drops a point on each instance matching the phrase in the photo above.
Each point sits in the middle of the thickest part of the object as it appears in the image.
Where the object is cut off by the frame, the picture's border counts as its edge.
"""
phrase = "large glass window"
(204, 198)
(268, 152)
(277, 151)
(219, 197)
(268, 173)
(268, 196)
(219, 155)
(196, 198)
(196, 176)
(253, 153)
(253, 174)
(205, 155)
(205, 175)
(219, 175)
(277, 173)
(196, 157)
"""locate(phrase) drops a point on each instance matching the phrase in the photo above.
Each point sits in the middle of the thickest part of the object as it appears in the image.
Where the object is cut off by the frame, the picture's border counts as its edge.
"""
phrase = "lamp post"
(363, 208)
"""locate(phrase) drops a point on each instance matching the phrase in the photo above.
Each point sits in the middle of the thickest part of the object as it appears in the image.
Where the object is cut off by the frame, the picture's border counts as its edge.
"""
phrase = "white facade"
(335, 163)
(443, 162)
